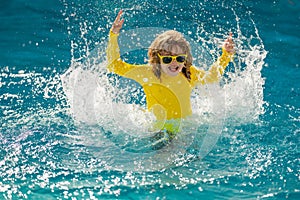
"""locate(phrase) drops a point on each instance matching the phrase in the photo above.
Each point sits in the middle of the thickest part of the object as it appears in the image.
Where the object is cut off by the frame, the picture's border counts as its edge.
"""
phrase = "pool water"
(70, 130)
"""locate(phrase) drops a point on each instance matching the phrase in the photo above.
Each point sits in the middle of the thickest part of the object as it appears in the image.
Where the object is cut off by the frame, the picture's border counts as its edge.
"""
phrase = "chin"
(173, 73)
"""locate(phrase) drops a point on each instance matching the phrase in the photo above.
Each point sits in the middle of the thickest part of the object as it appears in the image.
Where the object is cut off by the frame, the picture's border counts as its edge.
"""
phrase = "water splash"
(98, 98)
(80, 157)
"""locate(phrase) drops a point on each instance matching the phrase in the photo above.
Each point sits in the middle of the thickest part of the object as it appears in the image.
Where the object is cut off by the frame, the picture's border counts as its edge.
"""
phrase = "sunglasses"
(169, 59)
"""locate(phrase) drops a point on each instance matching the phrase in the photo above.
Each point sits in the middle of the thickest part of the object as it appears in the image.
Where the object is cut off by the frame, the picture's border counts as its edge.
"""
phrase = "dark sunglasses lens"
(167, 60)
(180, 59)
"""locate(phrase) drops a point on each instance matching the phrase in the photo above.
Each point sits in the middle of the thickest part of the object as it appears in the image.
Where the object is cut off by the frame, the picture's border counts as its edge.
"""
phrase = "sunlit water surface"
(71, 130)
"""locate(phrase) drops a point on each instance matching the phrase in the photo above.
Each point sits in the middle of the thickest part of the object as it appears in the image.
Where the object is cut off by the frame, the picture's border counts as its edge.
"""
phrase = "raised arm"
(217, 69)
(115, 64)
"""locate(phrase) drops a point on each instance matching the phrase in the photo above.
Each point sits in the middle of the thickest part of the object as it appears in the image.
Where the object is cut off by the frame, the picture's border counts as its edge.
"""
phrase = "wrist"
(225, 51)
(113, 32)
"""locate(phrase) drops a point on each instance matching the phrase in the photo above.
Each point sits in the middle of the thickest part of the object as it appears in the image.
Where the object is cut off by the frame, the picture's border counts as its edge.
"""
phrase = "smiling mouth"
(173, 69)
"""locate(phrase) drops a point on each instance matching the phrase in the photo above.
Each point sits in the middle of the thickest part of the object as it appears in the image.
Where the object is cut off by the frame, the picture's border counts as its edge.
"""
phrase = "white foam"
(94, 100)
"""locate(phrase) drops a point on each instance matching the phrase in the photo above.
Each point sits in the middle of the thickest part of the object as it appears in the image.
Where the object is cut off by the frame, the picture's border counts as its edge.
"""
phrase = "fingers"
(118, 23)
(121, 22)
(117, 20)
(229, 38)
(229, 44)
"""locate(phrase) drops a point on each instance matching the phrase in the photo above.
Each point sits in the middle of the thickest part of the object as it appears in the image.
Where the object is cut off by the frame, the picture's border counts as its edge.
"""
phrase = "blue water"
(52, 147)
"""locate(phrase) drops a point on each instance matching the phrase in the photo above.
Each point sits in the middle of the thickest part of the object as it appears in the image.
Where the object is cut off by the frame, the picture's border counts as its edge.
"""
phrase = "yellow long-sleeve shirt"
(168, 98)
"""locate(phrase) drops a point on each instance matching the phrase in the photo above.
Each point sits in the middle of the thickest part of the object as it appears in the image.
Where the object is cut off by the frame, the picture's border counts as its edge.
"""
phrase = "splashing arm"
(217, 69)
(115, 63)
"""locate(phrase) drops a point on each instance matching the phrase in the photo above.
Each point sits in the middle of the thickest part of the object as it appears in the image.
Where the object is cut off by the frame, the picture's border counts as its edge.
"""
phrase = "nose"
(174, 62)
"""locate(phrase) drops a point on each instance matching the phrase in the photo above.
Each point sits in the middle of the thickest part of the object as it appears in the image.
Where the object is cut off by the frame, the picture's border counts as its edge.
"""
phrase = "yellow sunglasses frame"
(173, 58)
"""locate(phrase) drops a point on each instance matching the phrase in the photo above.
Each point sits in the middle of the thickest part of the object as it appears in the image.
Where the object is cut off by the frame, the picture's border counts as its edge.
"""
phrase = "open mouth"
(173, 69)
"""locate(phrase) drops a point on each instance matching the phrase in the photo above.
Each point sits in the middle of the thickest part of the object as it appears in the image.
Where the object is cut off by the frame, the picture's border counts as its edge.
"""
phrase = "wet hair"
(164, 43)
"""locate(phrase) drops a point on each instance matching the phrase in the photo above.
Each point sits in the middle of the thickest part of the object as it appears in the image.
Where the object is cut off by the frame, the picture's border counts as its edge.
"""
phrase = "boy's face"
(173, 68)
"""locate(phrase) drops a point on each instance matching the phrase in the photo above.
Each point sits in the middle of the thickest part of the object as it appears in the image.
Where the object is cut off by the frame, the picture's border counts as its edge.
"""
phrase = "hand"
(118, 23)
(229, 44)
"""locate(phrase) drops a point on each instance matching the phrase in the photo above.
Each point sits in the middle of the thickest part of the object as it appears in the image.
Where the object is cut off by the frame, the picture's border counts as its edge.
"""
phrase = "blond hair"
(164, 43)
